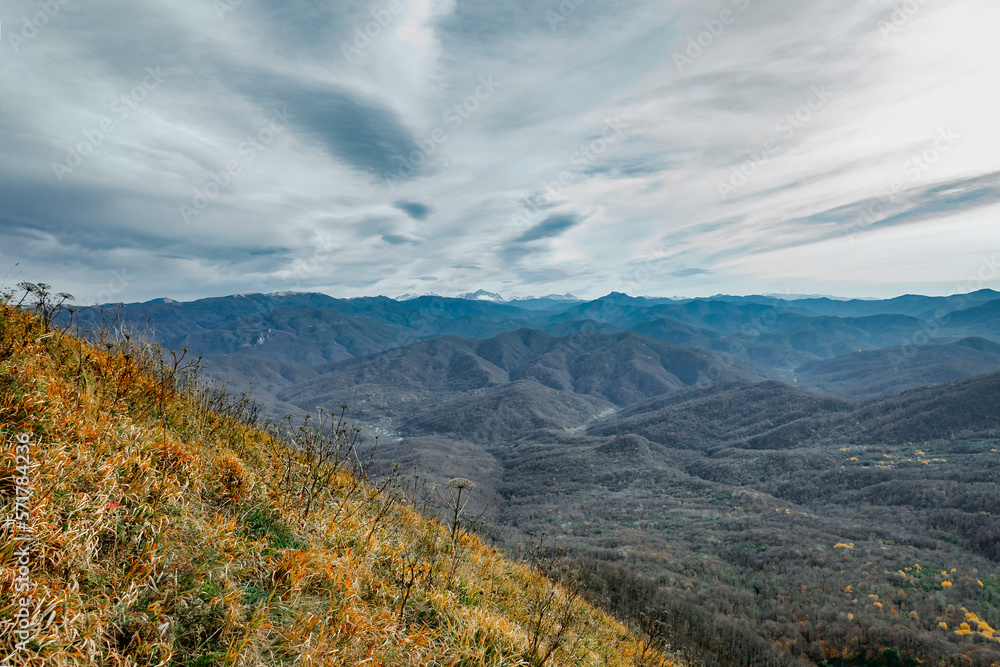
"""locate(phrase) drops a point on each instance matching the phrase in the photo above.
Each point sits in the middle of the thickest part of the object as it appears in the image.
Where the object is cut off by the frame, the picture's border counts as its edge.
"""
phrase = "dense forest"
(840, 547)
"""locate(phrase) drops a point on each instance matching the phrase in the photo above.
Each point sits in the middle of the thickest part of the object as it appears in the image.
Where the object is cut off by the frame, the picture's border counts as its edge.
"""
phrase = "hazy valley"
(767, 472)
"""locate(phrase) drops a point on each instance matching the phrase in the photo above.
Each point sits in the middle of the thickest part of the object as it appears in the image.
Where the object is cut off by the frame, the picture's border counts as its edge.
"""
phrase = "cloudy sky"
(657, 147)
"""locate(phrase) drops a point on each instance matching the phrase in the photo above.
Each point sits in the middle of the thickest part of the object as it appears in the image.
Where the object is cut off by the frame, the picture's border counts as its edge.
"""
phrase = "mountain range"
(747, 460)
(291, 345)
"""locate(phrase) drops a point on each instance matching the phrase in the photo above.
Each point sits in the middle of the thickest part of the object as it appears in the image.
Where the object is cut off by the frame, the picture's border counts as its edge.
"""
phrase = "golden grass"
(168, 534)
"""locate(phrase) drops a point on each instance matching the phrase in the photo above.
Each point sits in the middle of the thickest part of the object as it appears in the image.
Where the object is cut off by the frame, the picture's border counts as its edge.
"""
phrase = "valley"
(810, 481)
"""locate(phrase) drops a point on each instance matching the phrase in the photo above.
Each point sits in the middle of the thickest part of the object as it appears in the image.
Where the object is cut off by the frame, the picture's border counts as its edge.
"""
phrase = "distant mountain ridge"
(849, 347)
(484, 295)
(616, 369)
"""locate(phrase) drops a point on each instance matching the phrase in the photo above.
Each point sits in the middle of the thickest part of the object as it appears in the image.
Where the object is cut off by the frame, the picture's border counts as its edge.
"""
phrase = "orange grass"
(164, 535)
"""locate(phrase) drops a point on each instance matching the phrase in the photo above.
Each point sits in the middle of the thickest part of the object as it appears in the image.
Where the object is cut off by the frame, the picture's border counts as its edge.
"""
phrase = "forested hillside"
(848, 534)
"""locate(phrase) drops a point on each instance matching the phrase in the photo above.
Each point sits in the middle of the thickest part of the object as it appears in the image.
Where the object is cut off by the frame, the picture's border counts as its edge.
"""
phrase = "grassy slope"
(168, 534)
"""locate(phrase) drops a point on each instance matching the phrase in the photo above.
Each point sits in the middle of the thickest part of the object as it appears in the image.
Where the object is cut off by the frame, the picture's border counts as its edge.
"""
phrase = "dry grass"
(166, 533)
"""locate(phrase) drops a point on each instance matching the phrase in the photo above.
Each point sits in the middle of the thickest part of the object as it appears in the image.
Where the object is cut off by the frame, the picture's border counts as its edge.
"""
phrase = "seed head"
(461, 483)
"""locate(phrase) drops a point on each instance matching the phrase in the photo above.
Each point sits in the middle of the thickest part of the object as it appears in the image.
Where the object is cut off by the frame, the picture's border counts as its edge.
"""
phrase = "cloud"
(634, 166)
(359, 131)
(394, 132)
(685, 273)
(401, 239)
(554, 225)
(305, 28)
(904, 207)
(415, 210)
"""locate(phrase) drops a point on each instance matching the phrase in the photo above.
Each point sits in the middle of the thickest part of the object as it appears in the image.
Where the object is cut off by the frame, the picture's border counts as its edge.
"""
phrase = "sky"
(525, 147)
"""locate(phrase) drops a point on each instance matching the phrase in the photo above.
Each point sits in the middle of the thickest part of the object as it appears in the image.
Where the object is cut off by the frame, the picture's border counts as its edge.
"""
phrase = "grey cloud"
(554, 225)
(401, 239)
(630, 166)
(415, 210)
(800, 182)
(515, 251)
(684, 273)
(914, 204)
(512, 254)
(366, 226)
(923, 203)
(488, 26)
(313, 27)
(909, 206)
(138, 36)
(107, 218)
(363, 133)
(36, 208)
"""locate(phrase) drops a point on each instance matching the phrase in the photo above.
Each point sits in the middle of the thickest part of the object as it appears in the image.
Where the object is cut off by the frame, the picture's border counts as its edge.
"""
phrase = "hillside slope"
(162, 530)
(847, 533)
(890, 370)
